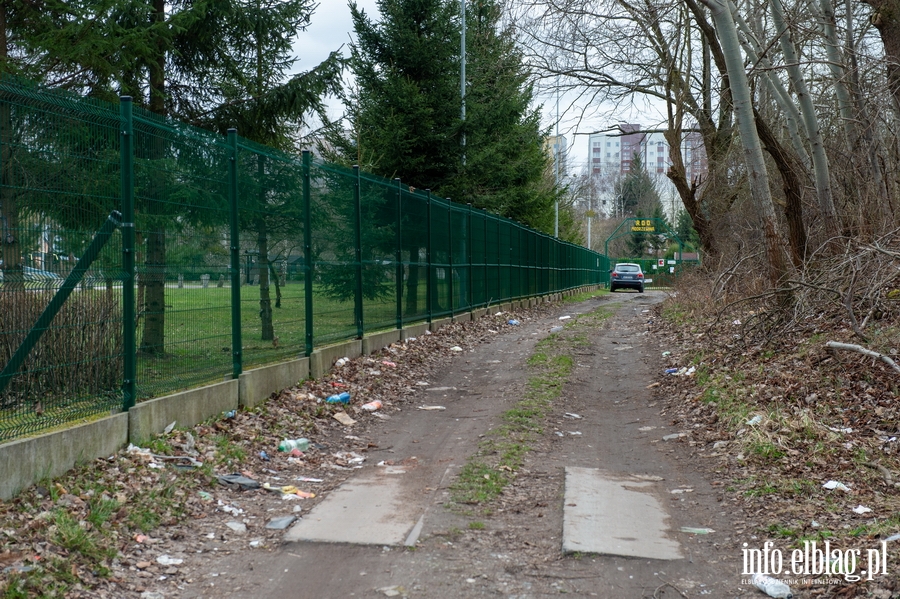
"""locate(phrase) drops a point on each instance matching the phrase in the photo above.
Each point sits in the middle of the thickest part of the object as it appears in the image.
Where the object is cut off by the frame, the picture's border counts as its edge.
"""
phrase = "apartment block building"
(611, 156)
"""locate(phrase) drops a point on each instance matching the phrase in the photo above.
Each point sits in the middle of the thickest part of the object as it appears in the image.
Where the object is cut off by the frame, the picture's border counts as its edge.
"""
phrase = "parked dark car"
(626, 276)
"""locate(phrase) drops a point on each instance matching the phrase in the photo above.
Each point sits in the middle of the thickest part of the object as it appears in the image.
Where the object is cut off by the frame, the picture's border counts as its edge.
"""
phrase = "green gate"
(658, 269)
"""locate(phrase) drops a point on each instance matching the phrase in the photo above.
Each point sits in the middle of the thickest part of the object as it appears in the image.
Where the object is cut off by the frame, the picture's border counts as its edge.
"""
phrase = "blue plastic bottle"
(342, 398)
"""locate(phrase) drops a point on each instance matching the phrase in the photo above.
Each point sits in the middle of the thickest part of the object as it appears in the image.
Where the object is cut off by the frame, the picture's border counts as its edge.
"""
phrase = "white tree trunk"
(810, 120)
(770, 79)
(720, 11)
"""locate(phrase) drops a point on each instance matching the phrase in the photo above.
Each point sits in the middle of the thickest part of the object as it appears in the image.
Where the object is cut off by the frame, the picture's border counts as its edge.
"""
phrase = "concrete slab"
(613, 515)
(437, 324)
(373, 342)
(187, 408)
(370, 509)
(413, 330)
(322, 359)
(27, 461)
(258, 384)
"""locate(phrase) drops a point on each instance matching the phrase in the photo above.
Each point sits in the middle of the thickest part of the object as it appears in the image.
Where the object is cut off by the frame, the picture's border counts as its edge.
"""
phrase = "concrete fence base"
(27, 461)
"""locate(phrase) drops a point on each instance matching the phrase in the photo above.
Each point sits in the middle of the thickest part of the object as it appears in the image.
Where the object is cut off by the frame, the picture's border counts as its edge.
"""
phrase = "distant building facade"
(611, 157)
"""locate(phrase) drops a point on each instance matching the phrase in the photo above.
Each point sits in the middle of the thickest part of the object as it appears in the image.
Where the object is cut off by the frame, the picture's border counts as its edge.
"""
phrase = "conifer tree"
(404, 113)
(635, 192)
(505, 165)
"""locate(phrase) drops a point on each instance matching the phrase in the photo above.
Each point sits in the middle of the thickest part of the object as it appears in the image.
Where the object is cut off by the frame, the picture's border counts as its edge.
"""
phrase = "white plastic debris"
(833, 484)
(456, 348)
(755, 420)
(235, 511)
(432, 408)
(565, 317)
(167, 560)
(350, 457)
(861, 509)
(169, 428)
(342, 362)
(736, 322)
(238, 527)
(840, 430)
(893, 538)
(772, 586)
(573, 416)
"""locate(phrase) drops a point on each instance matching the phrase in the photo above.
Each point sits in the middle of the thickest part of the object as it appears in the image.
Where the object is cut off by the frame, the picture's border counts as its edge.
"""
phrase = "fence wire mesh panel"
(270, 221)
(142, 256)
(459, 257)
(181, 254)
(378, 249)
(59, 182)
(333, 253)
(413, 250)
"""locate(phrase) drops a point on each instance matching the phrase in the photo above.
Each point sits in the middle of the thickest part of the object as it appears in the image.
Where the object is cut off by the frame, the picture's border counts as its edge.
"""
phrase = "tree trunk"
(753, 155)
(886, 18)
(837, 66)
(154, 336)
(810, 122)
(790, 169)
(10, 249)
(770, 79)
(278, 283)
(412, 281)
(872, 144)
(262, 240)
(687, 191)
(154, 277)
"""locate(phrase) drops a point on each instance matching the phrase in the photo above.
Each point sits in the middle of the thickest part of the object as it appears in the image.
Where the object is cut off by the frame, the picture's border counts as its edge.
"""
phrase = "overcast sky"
(332, 27)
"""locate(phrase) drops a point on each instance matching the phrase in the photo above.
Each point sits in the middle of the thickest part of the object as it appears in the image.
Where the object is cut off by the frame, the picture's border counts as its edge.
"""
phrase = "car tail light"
(615, 274)
(640, 275)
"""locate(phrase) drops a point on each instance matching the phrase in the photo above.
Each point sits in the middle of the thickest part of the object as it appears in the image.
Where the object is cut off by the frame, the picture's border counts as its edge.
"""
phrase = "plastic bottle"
(342, 398)
(289, 444)
(372, 406)
(772, 587)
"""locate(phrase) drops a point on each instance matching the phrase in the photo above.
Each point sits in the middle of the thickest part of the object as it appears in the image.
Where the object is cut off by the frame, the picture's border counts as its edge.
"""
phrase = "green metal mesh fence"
(142, 256)
(59, 180)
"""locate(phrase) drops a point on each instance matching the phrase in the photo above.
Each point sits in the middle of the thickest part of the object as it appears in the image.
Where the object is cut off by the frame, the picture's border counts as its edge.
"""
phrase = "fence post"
(399, 256)
(500, 297)
(129, 345)
(357, 242)
(429, 293)
(237, 344)
(487, 289)
(449, 275)
(307, 252)
(471, 295)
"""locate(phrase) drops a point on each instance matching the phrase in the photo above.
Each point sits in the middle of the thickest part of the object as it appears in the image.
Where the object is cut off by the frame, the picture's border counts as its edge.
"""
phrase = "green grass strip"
(500, 455)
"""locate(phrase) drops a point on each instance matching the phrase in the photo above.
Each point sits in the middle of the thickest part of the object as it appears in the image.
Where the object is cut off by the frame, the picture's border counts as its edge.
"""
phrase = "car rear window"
(626, 268)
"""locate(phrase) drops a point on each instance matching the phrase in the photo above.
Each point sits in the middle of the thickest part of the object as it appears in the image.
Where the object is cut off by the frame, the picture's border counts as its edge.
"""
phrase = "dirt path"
(513, 549)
